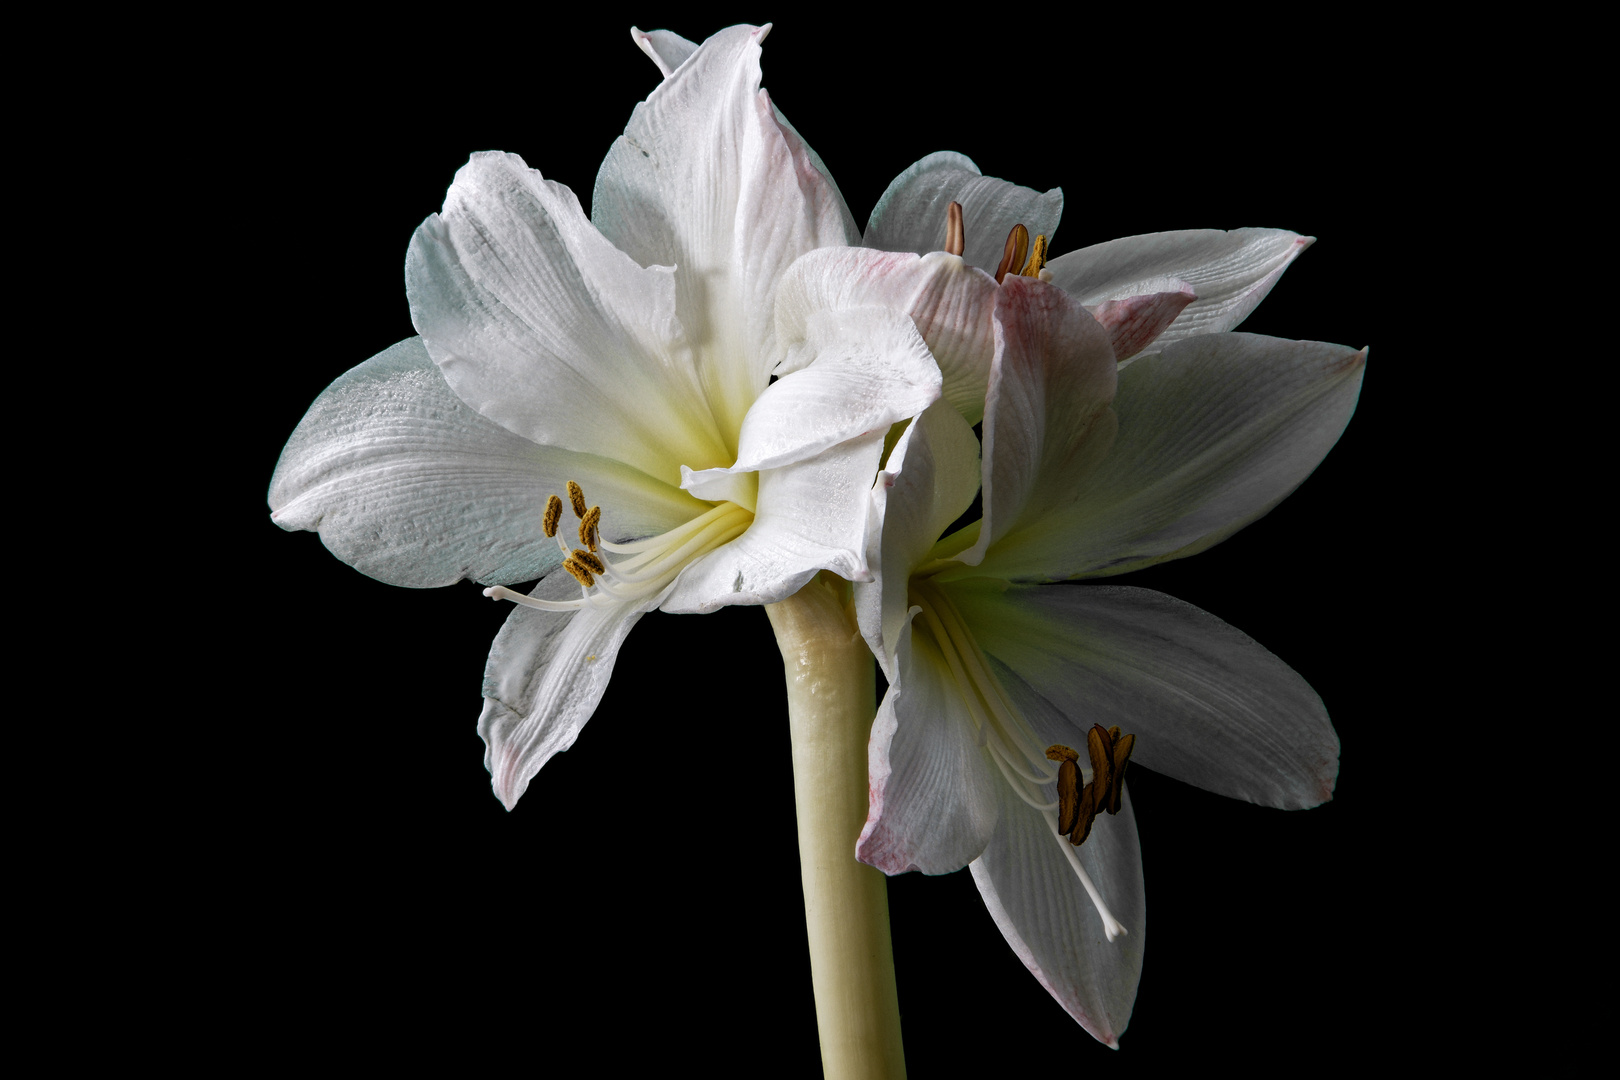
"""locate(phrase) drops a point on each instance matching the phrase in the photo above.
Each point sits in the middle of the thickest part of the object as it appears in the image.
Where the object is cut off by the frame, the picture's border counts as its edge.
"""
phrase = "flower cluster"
(725, 388)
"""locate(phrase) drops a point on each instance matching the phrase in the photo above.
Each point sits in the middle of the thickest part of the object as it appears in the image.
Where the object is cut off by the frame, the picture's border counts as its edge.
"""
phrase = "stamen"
(501, 592)
(1111, 925)
(577, 497)
(1013, 254)
(1037, 259)
(580, 573)
(587, 526)
(955, 234)
(1068, 787)
(597, 566)
(552, 516)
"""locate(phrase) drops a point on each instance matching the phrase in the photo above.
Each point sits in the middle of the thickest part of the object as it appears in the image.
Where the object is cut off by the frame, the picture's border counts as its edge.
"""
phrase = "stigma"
(641, 569)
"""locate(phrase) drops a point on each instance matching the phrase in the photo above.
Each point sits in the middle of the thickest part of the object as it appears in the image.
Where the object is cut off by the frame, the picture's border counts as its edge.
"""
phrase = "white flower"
(1091, 467)
(628, 357)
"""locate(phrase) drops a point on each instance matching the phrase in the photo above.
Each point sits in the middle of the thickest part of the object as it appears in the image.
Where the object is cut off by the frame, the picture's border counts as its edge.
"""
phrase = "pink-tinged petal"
(1213, 433)
(1047, 420)
(409, 485)
(1043, 911)
(542, 326)
(1136, 322)
(707, 181)
(929, 481)
(663, 47)
(1230, 271)
(1208, 704)
(949, 301)
(911, 214)
(934, 790)
(546, 674)
(869, 369)
(812, 515)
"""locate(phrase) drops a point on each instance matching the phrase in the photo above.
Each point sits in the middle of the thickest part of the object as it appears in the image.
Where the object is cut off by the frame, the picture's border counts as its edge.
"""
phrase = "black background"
(374, 902)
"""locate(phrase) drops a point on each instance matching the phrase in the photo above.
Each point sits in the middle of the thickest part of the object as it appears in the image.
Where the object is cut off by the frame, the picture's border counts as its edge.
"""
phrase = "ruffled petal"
(1136, 322)
(1208, 704)
(1230, 271)
(542, 326)
(1213, 433)
(949, 302)
(706, 180)
(935, 792)
(911, 214)
(546, 673)
(1043, 911)
(811, 516)
(1047, 421)
(870, 369)
(929, 481)
(409, 485)
(663, 47)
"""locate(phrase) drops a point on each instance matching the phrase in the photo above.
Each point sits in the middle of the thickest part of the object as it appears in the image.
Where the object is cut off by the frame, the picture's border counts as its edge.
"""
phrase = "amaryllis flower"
(998, 674)
(595, 393)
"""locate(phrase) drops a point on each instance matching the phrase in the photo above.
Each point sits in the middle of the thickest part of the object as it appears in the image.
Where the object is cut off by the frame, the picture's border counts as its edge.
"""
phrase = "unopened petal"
(1209, 705)
(409, 485)
(541, 325)
(545, 676)
(1042, 910)
(934, 790)
(911, 214)
(1230, 271)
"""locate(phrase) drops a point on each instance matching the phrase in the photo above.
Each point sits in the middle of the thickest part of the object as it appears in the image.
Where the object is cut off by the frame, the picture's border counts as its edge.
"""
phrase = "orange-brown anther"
(552, 515)
(1068, 795)
(587, 526)
(1123, 744)
(1059, 752)
(1085, 814)
(1037, 259)
(597, 566)
(955, 235)
(580, 573)
(1101, 749)
(577, 498)
(1013, 254)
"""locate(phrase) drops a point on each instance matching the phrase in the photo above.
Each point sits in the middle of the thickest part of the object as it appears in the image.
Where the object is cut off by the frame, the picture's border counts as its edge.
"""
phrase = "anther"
(577, 498)
(581, 573)
(552, 516)
(1037, 259)
(955, 234)
(596, 565)
(1013, 254)
(587, 525)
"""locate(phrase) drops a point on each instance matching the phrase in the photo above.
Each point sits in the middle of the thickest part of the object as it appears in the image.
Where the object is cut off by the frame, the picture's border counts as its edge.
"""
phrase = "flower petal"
(546, 673)
(949, 301)
(1213, 433)
(1208, 704)
(929, 481)
(935, 792)
(663, 47)
(409, 485)
(911, 214)
(811, 516)
(706, 180)
(1047, 421)
(539, 324)
(1136, 322)
(1043, 911)
(870, 370)
(1230, 271)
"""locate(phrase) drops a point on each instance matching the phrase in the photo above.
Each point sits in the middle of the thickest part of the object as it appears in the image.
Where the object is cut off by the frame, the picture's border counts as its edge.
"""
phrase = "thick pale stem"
(831, 702)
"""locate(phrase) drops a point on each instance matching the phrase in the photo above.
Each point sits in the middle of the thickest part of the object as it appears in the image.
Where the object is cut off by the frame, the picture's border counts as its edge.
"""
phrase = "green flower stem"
(831, 702)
